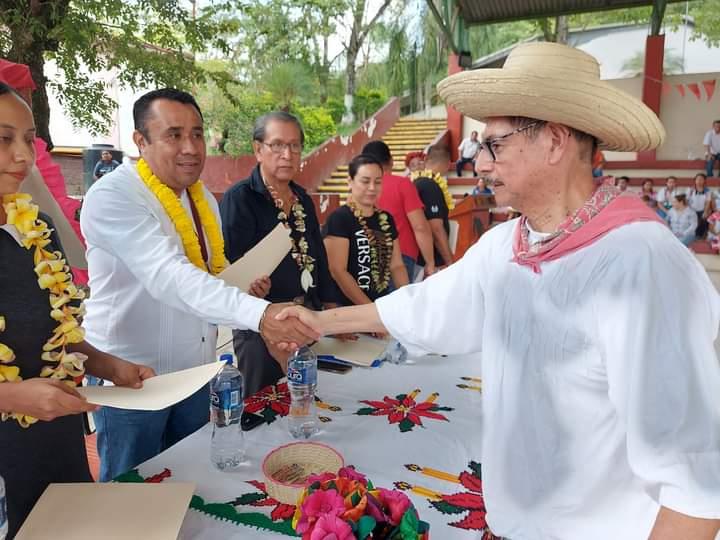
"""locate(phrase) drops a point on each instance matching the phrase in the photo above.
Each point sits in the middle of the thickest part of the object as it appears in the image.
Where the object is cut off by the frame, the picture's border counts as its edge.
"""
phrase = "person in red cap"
(414, 161)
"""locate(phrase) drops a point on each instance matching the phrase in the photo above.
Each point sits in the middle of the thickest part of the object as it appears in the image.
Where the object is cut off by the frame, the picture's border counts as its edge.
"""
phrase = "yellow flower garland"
(183, 223)
(54, 275)
(440, 180)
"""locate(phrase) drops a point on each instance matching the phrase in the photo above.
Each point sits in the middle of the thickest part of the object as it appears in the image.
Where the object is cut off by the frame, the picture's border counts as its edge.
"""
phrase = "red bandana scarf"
(607, 208)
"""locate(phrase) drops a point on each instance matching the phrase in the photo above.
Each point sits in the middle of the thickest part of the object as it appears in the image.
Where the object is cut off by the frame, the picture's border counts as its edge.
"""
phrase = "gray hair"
(278, 116)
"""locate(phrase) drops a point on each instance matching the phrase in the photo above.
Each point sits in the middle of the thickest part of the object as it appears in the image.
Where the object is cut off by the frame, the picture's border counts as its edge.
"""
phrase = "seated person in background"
(106, 165)
(666, 194)
(435, 195)
(250, 210)
(652, 203)
(682, 219)
(481, 188)
(622, 183)
(468, 149)
(361, 240)
(647, 189)
(700, 200)
(414, 161)
(712, 147)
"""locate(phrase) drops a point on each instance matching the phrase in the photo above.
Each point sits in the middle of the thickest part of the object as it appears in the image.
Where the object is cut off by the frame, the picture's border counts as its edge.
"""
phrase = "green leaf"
(365, 411)
(447, 508)
(132, 476)
(365, 526)
(409, 524)
(406, 425)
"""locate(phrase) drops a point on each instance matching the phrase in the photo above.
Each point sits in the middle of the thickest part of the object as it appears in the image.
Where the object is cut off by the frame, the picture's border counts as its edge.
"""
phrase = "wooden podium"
(473, 217)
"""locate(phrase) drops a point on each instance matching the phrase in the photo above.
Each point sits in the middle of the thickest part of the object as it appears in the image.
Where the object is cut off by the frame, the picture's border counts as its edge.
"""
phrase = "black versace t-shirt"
(435, 208)
(343, 224)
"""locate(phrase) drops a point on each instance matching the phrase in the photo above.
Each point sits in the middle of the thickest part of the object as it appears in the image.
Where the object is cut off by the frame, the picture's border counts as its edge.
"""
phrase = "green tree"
(145, 42)
(672, 63)
(289, 82)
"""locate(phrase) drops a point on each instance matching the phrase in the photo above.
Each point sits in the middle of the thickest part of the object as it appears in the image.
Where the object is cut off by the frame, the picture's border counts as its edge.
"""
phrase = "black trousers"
(702, 227)
(255, 362)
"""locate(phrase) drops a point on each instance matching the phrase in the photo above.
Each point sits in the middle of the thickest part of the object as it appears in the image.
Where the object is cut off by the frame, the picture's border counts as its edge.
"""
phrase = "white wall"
(120, 131)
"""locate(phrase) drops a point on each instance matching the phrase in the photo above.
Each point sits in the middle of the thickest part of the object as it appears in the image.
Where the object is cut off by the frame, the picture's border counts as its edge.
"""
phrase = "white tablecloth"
(377, 448)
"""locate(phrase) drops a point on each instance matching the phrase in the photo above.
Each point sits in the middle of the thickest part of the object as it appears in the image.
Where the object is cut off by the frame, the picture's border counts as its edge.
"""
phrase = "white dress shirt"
(600, 396)
(148, 303)
(468, 148)
(712, 140)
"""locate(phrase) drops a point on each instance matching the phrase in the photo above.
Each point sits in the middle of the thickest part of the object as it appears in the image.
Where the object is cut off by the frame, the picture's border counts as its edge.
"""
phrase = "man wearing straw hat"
(600, 397)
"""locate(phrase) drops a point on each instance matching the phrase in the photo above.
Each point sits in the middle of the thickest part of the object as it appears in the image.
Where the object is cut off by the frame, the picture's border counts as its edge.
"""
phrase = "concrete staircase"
(405, 136)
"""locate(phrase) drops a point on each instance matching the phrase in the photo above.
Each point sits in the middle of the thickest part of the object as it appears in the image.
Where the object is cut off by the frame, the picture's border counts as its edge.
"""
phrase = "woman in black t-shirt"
(361, 240)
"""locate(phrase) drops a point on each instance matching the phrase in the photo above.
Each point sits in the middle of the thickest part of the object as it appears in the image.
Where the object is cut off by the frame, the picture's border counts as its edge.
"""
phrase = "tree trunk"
(561, 29)
(40, 104)
(24, 51)
(353, 49)
(350, 80)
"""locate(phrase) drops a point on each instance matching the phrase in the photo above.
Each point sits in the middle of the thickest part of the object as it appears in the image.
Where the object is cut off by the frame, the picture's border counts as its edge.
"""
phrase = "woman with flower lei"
(361, 240)
(43, 355)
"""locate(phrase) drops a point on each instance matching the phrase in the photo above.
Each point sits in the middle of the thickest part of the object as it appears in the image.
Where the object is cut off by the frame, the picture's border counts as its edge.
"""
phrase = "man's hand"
(279, 353)
(429, 270)
(44, 399)
(306, 317)
(260, 288)
(291, 332)
(126, 373)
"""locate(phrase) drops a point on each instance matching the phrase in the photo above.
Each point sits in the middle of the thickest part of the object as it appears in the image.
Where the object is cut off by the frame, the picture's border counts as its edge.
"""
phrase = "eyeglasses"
(279, 148)
(490, 143)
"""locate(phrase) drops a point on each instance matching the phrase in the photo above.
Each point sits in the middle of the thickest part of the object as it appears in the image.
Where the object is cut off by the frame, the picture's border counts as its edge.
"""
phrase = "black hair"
(7, 89)
(379, 150)
(681, 198)
(359, 161)
(278, 116)
(141, 108)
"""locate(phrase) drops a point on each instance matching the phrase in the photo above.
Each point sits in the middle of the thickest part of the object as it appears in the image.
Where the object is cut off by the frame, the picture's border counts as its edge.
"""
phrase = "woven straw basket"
(286, 468)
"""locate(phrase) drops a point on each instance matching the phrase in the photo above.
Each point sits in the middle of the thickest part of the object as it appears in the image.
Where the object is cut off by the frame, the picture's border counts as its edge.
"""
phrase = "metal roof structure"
(454, 16)
(496, 11)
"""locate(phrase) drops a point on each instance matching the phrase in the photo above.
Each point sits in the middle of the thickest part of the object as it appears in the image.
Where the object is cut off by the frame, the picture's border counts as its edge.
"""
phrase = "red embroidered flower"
(471, 501)
(404, 410)
(280, 512)
(270, 402)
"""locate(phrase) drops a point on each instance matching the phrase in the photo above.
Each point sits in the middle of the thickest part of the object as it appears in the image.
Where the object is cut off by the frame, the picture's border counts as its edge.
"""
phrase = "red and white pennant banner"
(696, 89)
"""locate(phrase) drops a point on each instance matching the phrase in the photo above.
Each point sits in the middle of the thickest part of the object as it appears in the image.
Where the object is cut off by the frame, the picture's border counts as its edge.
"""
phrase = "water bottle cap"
(227, 358)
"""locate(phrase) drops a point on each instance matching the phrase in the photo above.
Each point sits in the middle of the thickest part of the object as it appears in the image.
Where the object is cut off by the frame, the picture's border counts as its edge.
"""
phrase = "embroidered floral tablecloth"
(415, 427)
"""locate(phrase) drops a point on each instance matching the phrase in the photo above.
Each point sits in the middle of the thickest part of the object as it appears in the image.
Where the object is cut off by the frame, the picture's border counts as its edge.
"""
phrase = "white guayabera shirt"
(600, 396)
(148, 303)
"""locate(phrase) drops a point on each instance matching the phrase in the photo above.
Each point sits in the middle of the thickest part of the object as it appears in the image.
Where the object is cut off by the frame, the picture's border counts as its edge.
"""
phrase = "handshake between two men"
(286, 327)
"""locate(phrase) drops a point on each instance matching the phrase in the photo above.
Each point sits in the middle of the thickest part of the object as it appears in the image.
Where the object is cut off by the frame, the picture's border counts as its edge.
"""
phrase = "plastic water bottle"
(394, 353)
(3, 511)
(302, 381)
(227, 448)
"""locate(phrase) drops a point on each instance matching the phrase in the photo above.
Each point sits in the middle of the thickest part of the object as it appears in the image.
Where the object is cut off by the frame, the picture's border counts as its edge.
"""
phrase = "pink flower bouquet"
(347, 506)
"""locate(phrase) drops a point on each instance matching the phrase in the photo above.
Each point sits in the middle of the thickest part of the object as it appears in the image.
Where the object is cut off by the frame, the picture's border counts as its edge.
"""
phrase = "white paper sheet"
(90, 511)
(261, 260)
(157, 392)
(362, 352)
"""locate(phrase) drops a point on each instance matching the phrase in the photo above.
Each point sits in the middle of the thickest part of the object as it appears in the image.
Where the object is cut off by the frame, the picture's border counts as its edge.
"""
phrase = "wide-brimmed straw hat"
(556, 83)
